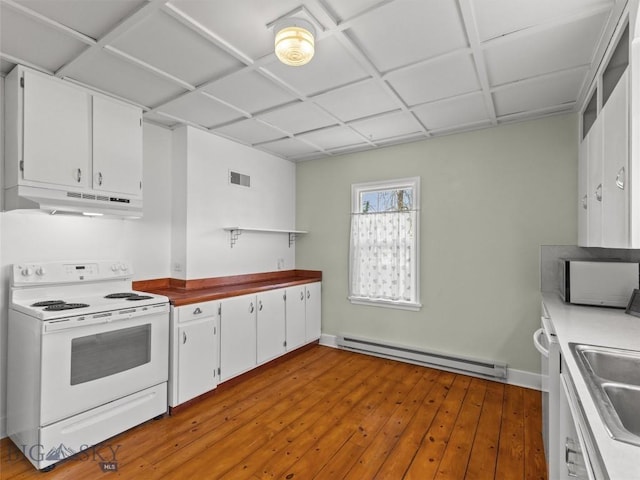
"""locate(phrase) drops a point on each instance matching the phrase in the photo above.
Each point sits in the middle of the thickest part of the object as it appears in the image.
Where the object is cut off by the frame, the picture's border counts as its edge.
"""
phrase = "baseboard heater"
(420, 357)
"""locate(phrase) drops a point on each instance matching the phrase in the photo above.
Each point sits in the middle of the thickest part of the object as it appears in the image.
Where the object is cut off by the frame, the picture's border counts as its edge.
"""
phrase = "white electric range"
(87, 356)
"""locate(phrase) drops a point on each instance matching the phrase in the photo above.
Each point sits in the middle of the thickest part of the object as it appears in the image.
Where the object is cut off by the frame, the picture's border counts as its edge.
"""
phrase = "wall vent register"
(241, 179)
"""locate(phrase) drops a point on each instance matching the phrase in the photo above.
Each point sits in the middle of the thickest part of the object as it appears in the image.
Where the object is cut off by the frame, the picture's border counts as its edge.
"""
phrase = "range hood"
(72, 202)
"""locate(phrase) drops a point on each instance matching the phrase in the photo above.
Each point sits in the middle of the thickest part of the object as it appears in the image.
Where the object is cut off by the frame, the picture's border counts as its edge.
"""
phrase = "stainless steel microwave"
(606, 283)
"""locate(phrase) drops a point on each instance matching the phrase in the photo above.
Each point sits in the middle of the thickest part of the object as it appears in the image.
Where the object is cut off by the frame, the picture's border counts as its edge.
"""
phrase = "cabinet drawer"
(196, 311)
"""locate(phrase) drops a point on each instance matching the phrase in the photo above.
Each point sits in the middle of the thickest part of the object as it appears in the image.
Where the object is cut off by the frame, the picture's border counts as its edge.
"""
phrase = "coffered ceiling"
(384, 72)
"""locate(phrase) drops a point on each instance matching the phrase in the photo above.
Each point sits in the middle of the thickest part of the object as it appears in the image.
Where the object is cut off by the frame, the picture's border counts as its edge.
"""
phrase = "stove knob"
(40, 271)
(114, 267)
(123, 267)
(27, 272)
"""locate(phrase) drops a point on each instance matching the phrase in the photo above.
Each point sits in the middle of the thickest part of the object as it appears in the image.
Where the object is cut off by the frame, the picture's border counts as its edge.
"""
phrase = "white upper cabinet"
(615, 152)
(606, 166)
(56, 132)
(117, 147)
(70, 149)
(583, 194)
(594, 182)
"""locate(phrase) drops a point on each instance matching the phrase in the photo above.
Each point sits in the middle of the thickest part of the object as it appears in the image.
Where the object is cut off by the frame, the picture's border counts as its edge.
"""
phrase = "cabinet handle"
(301, 296)
(584, 202)
(308, 294)
(598, 193)
(197, 311)
(570, 448)
(99, 178)
(620, 180)
(184, 337)
(78, 175)
(251, 307)
(260, 305)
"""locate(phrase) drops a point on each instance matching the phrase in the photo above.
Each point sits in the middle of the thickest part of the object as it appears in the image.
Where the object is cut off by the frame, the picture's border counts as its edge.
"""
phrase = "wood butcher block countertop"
(185, 292)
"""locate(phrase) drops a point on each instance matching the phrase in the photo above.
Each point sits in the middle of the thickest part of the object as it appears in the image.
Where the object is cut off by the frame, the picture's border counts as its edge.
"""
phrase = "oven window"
(104, 354)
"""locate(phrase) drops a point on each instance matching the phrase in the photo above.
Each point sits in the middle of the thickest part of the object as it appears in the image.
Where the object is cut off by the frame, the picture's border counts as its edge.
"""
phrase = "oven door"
(90, 365)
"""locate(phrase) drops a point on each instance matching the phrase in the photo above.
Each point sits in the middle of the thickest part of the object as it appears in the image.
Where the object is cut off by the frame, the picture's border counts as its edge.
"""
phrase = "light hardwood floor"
(328, 414)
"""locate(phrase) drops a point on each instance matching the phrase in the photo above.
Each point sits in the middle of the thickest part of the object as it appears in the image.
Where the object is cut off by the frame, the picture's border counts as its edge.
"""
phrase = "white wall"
(212, 203)
(35, 236)
(490, 198)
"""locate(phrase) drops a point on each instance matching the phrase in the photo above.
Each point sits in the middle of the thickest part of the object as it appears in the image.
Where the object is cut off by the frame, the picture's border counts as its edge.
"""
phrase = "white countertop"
(609, 327)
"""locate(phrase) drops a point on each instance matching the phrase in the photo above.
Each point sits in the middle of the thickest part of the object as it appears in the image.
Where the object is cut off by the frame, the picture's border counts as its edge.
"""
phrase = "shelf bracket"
(292, 239)
(233, 235)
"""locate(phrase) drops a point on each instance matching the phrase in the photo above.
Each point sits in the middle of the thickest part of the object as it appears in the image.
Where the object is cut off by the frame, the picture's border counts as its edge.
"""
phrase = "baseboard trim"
(520, 378)
(328, 340)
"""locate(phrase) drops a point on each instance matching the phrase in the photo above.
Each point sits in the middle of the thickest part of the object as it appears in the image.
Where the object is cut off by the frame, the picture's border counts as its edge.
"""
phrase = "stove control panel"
(68, 272)
(119, 267)
(81, 269)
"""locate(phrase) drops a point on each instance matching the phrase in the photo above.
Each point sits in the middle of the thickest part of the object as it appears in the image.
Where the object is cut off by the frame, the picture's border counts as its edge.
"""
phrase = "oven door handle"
(537, 335)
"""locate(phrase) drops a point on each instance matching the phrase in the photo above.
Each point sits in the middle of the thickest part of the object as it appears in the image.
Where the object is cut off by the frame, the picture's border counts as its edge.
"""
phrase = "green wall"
(490, 198)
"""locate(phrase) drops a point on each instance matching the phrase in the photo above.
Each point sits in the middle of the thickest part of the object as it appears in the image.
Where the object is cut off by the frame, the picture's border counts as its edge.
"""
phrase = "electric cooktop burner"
(139, 297)
(129, 296)
(48, 303)
(121, 295)
(65, 306)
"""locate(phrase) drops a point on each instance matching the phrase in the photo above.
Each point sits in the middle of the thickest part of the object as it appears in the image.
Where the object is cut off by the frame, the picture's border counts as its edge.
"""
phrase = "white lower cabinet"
(238, 336)
(313, 310)
(197, 357)
(215, 341)
(270, 320)
(579, 458)
(303, 314)
(295, 317)
(194, 356)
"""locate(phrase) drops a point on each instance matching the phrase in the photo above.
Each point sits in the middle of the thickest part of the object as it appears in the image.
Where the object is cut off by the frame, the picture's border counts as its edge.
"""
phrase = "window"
(383, 253)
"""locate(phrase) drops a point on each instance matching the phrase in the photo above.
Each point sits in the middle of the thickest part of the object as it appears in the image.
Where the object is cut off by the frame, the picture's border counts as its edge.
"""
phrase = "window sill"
(414, 307)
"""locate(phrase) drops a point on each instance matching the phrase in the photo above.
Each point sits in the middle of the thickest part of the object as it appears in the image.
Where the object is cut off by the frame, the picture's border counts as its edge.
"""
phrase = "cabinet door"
(56, 132)
(117, 147)
(615, 147)
(583, 194)
(573, 459)
(197, 358)
(313, 310)
(237, 336)
(271, 325)
(295, 315)
(595, 183)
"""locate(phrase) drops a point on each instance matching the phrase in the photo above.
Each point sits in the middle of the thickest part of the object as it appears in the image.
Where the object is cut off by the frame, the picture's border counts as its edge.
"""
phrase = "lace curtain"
(382, 262)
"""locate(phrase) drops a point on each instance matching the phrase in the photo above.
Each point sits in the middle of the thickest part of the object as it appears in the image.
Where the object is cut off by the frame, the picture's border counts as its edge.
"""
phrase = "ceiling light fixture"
(294, 42)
